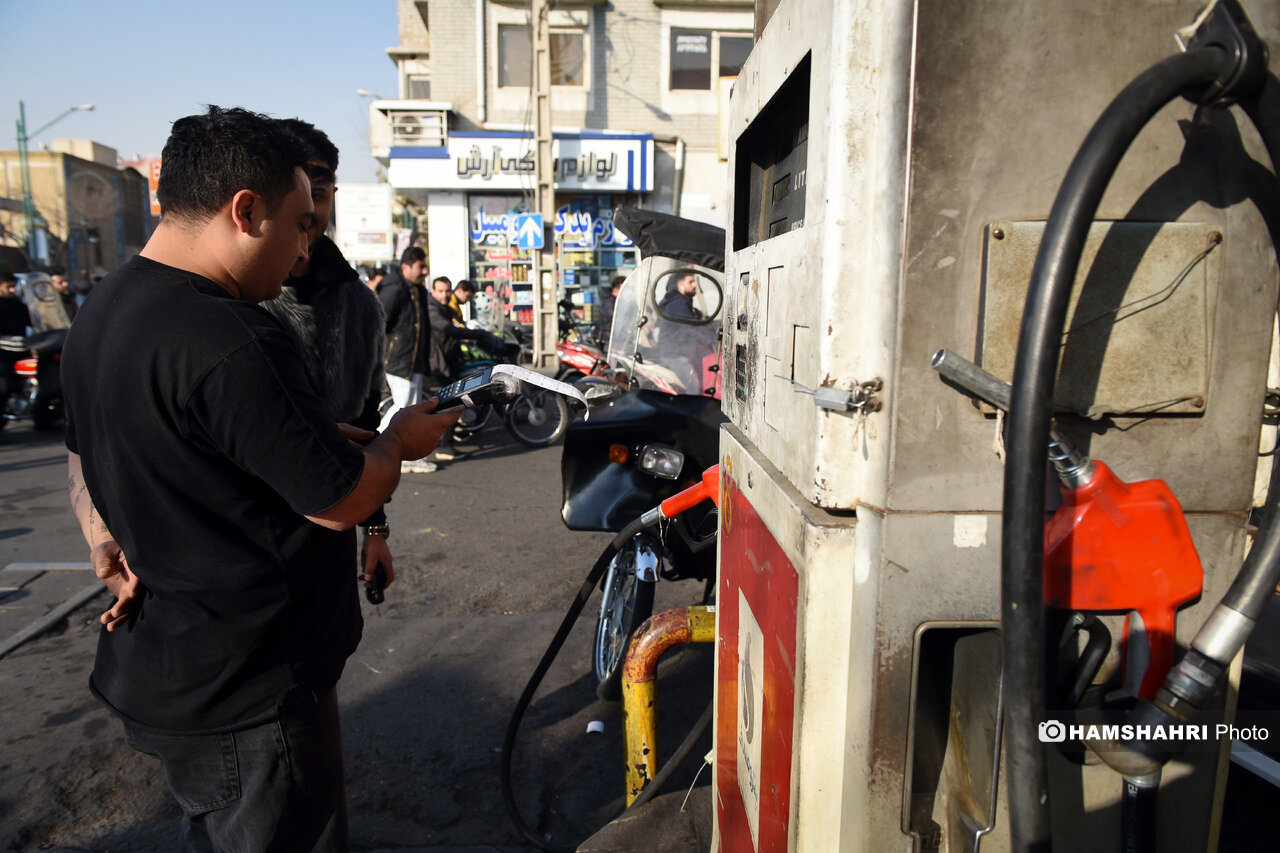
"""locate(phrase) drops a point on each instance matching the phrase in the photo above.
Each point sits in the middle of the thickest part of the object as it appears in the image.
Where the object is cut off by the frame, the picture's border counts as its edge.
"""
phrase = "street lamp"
(28, 204)
(365, 93)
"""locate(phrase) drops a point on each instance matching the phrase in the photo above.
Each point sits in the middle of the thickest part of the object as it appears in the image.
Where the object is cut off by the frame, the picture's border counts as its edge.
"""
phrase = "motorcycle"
(653, 426)
(37, 391)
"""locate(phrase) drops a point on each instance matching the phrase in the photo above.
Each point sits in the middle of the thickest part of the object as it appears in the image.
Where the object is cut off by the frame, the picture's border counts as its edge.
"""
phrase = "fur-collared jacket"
(337, 321)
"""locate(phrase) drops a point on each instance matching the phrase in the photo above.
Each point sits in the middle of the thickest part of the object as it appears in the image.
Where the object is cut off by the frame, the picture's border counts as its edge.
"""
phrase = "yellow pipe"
(639, 685)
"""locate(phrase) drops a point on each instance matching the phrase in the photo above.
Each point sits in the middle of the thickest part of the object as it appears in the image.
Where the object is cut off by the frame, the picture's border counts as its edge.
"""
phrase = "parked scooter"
(653, 426)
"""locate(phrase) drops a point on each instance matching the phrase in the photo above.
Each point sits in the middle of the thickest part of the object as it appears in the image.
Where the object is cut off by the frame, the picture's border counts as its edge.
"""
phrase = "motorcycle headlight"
(664, 462)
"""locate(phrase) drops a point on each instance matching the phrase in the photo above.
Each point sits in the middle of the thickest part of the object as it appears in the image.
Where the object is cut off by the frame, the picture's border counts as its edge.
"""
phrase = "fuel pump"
(884, 649)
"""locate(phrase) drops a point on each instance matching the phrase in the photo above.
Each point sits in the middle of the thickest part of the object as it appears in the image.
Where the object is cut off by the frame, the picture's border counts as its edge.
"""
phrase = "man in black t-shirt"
(214, 490)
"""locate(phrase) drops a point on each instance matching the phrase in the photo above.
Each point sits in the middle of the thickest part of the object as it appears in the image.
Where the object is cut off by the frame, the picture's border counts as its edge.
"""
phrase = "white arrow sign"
(529, 231)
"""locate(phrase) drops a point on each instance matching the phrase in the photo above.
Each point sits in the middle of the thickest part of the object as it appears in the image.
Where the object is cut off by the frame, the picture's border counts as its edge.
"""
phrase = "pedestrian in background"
(404, 304)
(60, 283)
(604, 323)
(463, 291)
(376, 277)
(15, 322)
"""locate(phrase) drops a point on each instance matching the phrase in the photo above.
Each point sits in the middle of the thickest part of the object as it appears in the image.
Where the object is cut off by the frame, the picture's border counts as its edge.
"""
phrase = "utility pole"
(24, 167)
(545, 313)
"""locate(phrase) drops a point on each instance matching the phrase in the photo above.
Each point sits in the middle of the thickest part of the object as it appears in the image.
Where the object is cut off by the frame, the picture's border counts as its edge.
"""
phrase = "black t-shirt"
(203, 447)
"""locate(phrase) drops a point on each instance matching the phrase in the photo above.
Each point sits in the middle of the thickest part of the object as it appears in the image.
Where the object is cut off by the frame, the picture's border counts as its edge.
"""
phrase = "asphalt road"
(485, 571)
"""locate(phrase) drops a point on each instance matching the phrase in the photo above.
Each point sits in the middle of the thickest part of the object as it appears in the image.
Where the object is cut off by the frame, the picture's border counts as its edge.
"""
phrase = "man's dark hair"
(318, 145)
(465, 285)
(443, 278)
(413, 253)
(677, 276)
(8, 275)
(58, 271)
(209, 158)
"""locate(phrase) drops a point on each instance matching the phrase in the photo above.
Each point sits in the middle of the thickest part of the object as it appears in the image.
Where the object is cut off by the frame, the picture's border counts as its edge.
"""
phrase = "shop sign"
(486, 162)
(576, 229)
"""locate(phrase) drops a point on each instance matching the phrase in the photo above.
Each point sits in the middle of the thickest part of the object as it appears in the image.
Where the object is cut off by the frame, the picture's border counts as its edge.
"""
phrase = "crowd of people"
(220, 492)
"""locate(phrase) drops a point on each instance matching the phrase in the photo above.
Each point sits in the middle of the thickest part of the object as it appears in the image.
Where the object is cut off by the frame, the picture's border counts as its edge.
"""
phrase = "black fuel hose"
(540, 671)
(1043, 320)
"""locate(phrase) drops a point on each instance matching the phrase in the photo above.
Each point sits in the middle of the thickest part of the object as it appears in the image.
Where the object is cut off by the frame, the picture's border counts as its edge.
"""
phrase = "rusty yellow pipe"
(639, 685)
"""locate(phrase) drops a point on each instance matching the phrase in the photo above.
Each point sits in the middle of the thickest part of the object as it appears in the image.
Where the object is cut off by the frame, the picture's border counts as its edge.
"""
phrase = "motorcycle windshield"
(44, 304)
(666, 327)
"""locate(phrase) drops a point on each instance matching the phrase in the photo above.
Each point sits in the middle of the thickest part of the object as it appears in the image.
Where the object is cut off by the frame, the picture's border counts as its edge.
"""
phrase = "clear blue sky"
(144, 63)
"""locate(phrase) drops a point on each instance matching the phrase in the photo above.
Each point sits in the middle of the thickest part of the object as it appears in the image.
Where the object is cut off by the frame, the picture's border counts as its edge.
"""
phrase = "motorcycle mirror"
(688, 296)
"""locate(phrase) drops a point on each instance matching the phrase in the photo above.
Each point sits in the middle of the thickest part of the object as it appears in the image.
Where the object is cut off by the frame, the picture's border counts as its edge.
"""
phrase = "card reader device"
(500, 383)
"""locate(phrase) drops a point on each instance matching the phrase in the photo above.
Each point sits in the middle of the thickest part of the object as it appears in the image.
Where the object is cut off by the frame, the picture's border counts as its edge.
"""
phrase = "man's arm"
(91, 524)
(108, 560)
(412, 434)
(392, 304)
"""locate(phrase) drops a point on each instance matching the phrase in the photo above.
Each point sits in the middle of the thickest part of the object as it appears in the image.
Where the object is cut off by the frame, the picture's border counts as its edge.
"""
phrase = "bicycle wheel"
(537, 417)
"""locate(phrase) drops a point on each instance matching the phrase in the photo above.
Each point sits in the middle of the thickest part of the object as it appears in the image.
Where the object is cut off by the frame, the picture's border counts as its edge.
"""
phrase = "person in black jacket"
(404, 304)
(15, 322)
(338, 325)
(445, 359)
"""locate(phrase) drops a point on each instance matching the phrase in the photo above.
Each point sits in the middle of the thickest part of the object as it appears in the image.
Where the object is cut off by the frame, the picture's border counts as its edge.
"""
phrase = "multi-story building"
(639, 91)
(91, 215)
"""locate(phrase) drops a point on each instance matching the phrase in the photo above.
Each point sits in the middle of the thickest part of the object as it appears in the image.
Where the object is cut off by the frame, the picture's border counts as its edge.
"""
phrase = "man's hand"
(357, 435)
(112, 568)
(418, 430)
(375, 550)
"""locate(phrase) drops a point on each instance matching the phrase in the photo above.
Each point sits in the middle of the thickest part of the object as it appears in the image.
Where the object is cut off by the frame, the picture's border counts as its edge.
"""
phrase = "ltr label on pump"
(750, 713)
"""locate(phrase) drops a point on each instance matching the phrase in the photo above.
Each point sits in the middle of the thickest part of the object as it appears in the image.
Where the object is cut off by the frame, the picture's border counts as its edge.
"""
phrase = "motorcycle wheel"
(627, 602)
(538, 417)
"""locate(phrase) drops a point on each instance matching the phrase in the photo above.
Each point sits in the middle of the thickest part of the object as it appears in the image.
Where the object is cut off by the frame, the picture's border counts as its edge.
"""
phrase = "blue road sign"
(529, 231)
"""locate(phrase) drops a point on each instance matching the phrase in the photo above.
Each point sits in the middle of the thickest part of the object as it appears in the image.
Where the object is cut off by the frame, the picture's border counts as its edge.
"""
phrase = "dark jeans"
(275, 787)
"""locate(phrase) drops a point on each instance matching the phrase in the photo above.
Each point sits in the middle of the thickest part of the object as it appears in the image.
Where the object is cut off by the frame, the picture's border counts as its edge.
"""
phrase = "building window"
(695, 52)
(418, 87)
(515, 57)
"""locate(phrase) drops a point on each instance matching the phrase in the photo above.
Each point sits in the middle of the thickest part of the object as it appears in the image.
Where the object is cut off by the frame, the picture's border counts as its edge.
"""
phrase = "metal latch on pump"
(862, 398)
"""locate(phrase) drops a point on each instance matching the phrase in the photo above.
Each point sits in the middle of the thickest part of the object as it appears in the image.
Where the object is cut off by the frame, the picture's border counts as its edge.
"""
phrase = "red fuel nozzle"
(694, 495)
(1123, 546)
(1112, 545)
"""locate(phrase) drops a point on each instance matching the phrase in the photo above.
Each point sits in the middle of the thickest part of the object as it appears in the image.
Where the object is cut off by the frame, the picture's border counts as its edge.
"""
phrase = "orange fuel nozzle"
(694, 495)
(1123, 546)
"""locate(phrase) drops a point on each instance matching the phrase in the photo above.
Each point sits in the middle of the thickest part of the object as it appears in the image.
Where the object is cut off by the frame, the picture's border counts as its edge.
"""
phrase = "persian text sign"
(484, 162)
